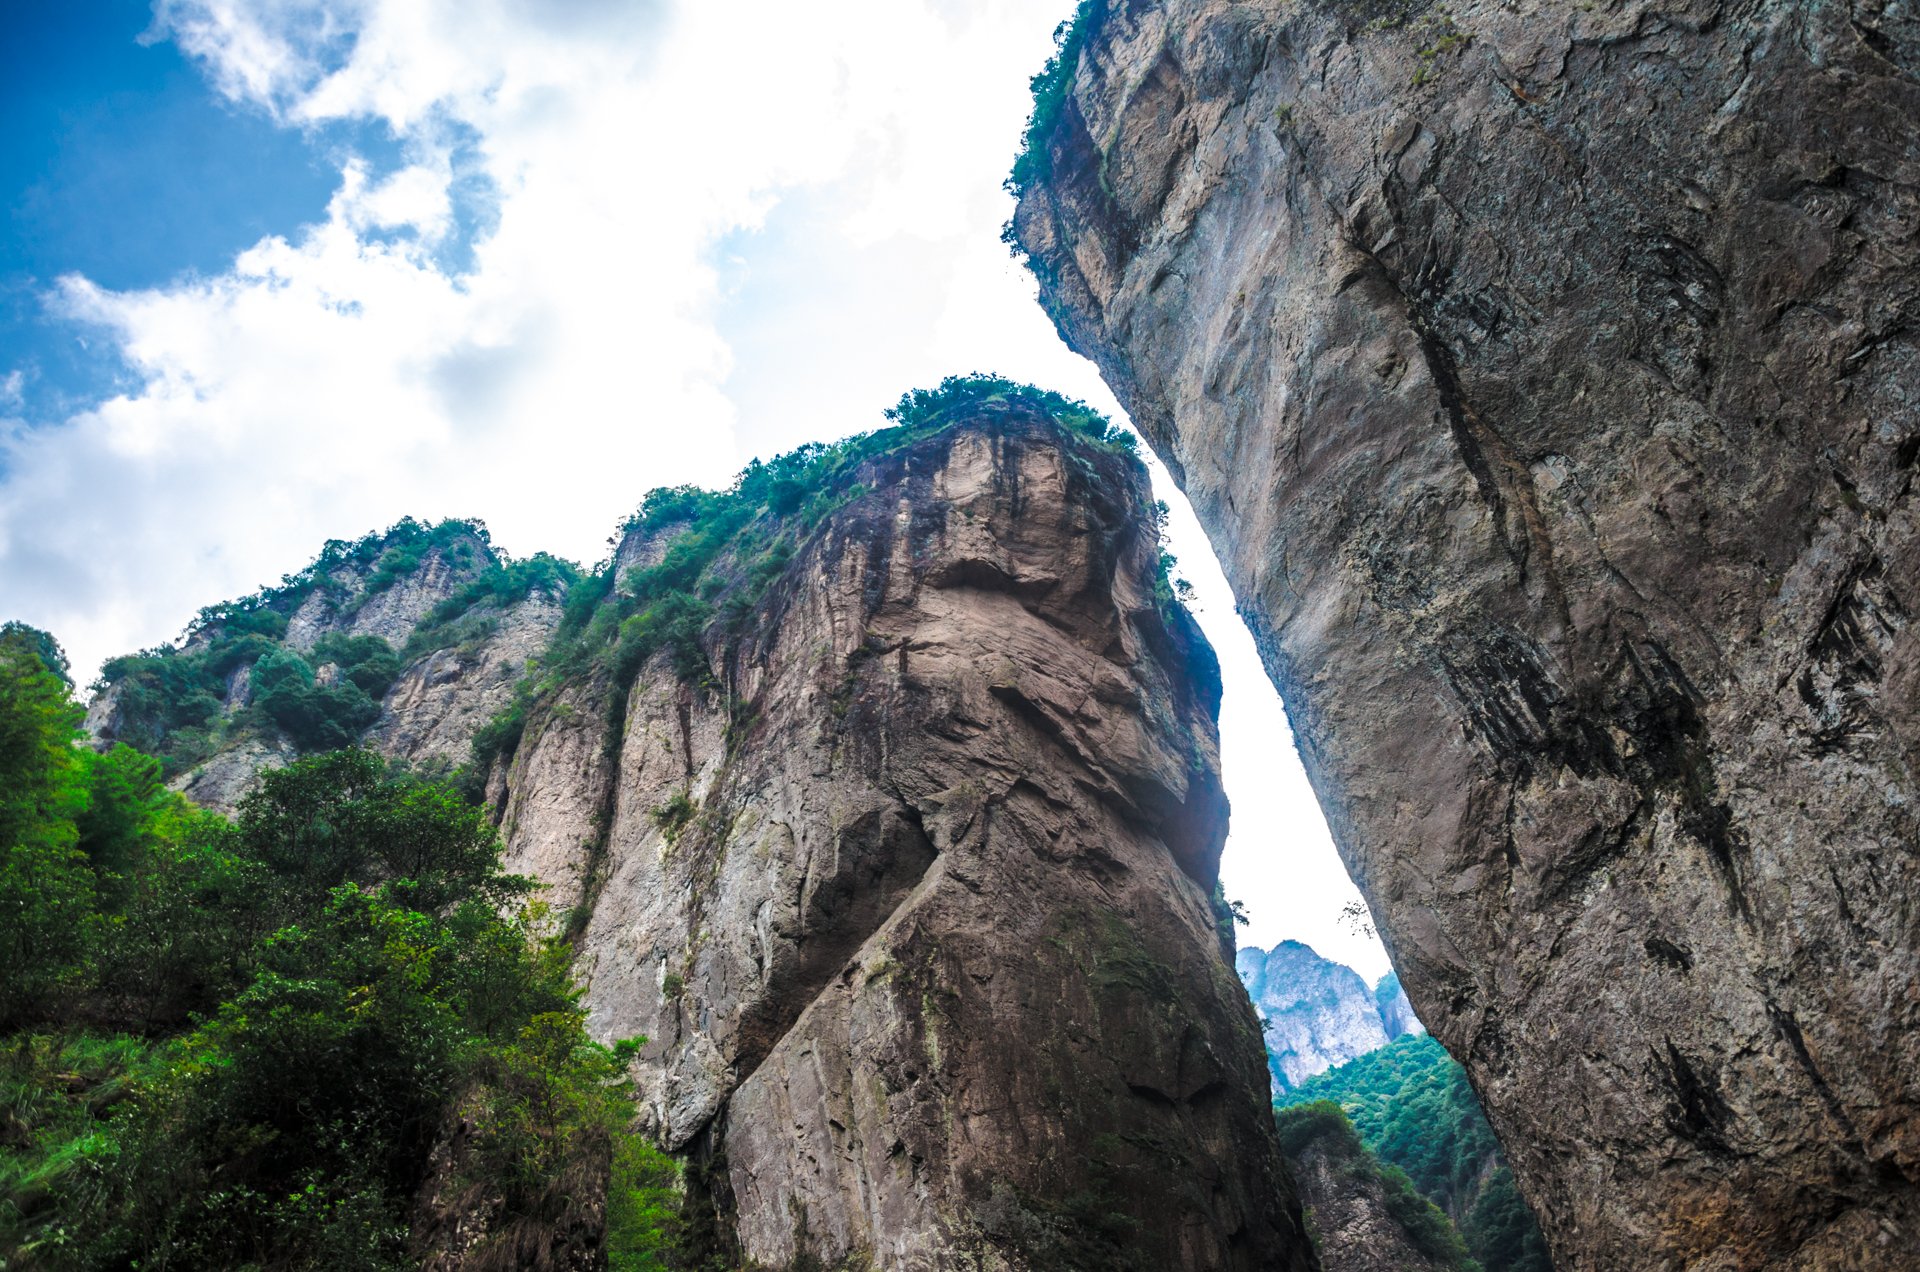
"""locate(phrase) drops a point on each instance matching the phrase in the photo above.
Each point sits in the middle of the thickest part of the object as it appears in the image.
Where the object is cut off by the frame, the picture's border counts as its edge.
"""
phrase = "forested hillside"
(330, 1033)
(1413, 1108)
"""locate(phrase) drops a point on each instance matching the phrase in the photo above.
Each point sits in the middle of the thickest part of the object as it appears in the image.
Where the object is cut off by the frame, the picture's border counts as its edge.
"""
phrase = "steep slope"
(1314, 1013)
(411, 640)
(1413, 1109)
(1545, 377)
(885, 794)
(1362, 1218)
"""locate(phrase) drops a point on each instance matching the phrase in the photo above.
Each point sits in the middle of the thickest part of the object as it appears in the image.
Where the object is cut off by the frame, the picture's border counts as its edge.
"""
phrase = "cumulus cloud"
(528, 318)
(627, 243)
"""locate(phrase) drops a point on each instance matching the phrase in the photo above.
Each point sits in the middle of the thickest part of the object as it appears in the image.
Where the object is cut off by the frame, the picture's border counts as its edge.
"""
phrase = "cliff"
(1362, 1217)
(410, 640)
(1544, 375)
(1314, 1013)
(904, 868)
(881, 794)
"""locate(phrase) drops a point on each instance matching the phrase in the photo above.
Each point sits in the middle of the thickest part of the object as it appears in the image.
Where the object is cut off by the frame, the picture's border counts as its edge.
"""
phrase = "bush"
(362, 970)
(1051, 88)
(314, 717)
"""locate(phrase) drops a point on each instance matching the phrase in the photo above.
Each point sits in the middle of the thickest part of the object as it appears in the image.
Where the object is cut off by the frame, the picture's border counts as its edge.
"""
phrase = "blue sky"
(278, 271)
(117, 163)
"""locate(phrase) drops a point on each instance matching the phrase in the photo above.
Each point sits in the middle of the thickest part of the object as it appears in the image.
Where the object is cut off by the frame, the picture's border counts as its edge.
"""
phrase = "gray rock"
(911, 897)
(1315, 1013)
(1546, 378)
(1396, 1013)
(1352, 1220)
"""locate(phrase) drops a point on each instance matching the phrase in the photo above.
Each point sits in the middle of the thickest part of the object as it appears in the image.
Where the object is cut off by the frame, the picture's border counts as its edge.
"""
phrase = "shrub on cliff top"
(726, 547)
(1050, 89)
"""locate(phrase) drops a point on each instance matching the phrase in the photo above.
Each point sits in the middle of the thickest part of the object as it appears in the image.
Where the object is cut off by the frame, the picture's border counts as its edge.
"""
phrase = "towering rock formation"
(442, 628)
(1546, 376)
(882, 796)
(1314, 1013)
(905, 871)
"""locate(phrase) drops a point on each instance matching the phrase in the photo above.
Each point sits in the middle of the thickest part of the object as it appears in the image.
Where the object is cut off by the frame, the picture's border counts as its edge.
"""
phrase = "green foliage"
(644, 1201)
(1317, 1121)
(1051, 88)
(42, 645)
(46, 888)
(288, 1012)
(170, 698)
(1502, 1230)
(1321, 1124)
(342, 818)
(315, 717)
(501, 586)
(673, 816)
(367, 662)
(725, 549)
(1413, 1107)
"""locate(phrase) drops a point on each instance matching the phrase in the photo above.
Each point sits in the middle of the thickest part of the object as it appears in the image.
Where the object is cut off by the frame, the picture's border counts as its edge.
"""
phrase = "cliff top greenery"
(1050, 90)
(1321, 1124)
(171, 699)
(1412, 1106)
(724, 548)
(238, 1044)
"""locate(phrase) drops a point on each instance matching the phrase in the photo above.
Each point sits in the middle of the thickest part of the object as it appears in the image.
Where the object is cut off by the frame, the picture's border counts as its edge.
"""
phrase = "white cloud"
(686, 232)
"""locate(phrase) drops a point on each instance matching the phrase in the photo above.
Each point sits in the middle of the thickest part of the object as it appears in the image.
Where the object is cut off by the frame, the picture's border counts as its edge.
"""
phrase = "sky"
(278, 271)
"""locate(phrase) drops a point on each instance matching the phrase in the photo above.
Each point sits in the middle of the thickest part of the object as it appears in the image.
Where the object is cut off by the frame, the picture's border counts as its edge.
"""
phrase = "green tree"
(47, 903)
(341, 817)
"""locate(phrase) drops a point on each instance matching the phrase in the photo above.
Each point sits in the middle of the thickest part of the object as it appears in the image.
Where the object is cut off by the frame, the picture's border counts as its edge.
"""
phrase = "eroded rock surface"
(458, 676)
(1546, 376)
(1355, 1224)
(1314, 1013)
(910, 888)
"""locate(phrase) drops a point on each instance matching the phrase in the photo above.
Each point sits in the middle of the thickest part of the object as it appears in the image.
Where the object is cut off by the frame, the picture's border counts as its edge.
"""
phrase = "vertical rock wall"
(910, 890)
(1548, 377)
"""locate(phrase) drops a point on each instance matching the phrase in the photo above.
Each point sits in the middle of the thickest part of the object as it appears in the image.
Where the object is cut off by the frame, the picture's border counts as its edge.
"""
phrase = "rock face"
(1546, 377)
(1396, 1013)
(445, 696)
(1352, 1221)
(451, 683)
(1316, 1013)
(908, 884)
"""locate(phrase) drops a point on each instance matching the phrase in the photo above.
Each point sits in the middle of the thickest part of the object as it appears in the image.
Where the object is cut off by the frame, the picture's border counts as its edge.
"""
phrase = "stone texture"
(433, 709)
(1546, 378)
(1353, 1228)
(442, 699)
(912, 898)
(1396, 1013)
(395, 610)
(1315, 1013)
(220, 782)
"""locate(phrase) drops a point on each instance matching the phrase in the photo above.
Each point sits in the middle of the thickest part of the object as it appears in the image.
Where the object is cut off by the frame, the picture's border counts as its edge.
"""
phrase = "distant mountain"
(1396, 1013)
(1317, 1013)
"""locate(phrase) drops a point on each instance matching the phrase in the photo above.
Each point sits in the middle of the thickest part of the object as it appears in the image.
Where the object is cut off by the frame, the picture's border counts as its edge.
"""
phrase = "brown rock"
(911, 891)
(1546, 377)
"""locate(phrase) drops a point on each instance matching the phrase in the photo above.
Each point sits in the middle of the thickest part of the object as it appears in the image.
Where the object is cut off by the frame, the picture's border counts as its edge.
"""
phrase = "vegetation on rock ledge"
(1412, 1105)
(182, 702)
(724, 548)
(246, 1044)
